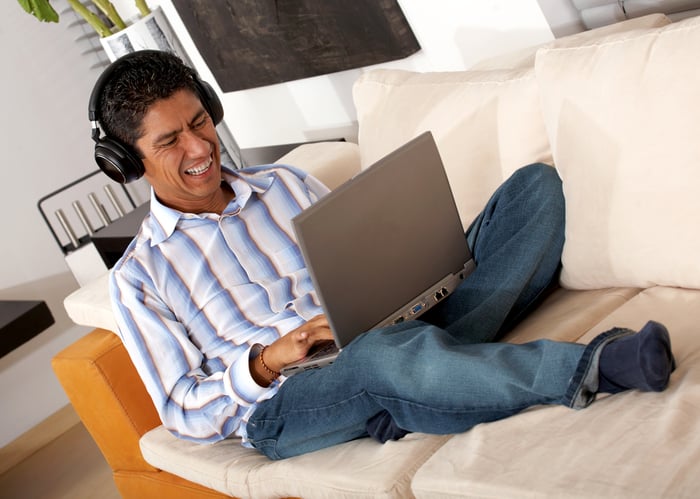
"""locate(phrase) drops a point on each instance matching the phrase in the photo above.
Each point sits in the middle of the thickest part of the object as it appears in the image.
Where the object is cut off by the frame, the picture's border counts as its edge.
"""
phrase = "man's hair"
(134, 86)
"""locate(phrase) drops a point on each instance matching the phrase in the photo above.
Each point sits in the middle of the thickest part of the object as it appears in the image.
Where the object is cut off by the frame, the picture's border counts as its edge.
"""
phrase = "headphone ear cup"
(211, 101)
(118, 162)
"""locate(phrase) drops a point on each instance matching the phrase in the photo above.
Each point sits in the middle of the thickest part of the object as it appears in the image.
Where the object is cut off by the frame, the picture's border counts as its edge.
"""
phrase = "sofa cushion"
(361, 468)
(331, 162)
(486, 124)
(566, 315)
(629, 445)
(622, 118)
(90, 305)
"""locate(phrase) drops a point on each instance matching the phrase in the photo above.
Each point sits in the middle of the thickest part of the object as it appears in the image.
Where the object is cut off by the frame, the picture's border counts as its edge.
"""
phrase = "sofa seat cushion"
(385, 471)
(622, 117)
(625, 446)
(361, 468)
(566, 315)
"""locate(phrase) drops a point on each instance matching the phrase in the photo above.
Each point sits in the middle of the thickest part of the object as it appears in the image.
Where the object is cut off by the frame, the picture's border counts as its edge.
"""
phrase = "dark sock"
(383, 428)
(642, 361)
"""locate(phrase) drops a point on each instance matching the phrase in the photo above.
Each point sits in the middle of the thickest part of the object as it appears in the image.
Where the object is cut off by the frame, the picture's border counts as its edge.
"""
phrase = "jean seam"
(469, 410)
(310, 410)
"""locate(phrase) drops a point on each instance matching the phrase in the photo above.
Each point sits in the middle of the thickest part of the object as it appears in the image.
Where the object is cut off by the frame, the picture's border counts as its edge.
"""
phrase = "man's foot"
(383, 428)
(642, 361)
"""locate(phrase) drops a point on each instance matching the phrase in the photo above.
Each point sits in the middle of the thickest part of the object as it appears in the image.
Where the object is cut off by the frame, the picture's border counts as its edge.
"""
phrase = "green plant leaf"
(108, 10)
(143, 7)
(41, 9)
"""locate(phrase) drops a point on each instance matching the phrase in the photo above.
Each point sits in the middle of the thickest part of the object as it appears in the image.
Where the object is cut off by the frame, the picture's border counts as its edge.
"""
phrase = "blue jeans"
(443, 374)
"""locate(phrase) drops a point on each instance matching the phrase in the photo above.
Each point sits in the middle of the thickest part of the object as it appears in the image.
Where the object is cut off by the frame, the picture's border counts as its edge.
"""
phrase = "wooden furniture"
(20, 321)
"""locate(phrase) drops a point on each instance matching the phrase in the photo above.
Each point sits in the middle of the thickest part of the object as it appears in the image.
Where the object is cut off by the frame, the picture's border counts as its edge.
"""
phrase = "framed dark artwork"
(253, 43)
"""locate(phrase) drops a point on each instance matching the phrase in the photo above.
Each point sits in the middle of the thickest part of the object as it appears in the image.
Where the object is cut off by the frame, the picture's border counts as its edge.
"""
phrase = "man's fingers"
(321, 333)
(313, 334)
(319, 320)
(314, 330)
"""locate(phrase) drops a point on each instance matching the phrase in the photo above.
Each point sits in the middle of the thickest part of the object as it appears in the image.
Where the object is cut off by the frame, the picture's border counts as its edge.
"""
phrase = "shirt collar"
(244, 183)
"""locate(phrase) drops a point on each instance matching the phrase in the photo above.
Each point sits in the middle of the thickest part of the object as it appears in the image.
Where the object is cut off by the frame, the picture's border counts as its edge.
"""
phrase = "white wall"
(46, 144)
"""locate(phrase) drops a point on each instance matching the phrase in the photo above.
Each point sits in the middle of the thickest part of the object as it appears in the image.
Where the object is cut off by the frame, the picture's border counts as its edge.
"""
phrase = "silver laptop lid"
(383, 239)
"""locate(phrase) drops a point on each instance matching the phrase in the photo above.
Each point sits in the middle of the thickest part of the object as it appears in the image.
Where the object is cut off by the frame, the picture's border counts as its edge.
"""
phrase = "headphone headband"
(119, 161)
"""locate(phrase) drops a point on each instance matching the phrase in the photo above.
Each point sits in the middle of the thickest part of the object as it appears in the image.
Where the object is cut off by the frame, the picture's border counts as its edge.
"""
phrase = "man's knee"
(539, 173)
(542, 182)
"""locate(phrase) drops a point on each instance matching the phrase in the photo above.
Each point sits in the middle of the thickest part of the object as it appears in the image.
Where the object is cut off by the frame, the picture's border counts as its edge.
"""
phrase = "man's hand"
(295, 345)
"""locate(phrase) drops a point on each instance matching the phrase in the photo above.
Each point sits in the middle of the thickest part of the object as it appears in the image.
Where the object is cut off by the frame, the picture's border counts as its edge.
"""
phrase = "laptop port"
(416, 308)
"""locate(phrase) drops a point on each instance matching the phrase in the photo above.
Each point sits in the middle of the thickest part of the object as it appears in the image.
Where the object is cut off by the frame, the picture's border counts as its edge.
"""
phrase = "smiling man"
(181, 156)
(212, 296)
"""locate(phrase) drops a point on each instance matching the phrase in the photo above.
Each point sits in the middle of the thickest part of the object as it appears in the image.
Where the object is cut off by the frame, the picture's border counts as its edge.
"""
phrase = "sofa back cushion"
(623, 118)
(486, 124)
(487, 121)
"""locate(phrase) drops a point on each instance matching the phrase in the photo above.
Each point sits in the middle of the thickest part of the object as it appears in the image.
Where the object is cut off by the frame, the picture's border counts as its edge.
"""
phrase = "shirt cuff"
(240, 383)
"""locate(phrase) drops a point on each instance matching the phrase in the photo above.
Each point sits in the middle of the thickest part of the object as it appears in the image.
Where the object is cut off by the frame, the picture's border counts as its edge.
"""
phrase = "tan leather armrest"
(108, 395)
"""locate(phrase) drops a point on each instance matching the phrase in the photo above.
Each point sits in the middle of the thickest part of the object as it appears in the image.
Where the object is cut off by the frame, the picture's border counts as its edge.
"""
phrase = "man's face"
(181, 154)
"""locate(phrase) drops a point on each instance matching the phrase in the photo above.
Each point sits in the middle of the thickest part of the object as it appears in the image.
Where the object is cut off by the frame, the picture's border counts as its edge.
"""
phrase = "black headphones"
(118, 160)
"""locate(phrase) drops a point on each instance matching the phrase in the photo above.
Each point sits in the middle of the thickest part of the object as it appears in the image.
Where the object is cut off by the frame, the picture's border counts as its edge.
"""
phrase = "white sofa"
(617, 110)
(596, 13)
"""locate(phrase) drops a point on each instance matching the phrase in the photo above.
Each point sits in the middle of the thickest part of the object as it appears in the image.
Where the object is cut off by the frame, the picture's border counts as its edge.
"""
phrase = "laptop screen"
(383, 238)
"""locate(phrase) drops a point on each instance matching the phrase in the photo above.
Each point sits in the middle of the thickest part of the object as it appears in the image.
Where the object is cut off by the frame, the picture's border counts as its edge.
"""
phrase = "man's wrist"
(267, 369)
(262, 374)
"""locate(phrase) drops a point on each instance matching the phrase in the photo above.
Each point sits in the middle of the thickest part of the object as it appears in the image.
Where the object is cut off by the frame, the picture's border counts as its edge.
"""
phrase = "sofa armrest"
(108, 395)
(331, 162)
(91, 306)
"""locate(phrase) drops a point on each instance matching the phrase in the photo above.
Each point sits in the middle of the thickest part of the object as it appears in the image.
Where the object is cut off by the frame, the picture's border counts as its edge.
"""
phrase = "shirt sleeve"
(192, 403)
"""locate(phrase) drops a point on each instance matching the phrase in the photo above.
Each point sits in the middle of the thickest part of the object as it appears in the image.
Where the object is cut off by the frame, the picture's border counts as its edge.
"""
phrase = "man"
(212, 299)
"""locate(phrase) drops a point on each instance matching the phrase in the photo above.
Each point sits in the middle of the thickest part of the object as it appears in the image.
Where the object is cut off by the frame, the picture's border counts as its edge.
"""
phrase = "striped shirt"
(194, 293)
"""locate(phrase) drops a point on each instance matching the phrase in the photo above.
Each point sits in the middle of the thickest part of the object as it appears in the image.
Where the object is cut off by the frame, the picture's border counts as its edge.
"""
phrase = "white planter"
(150, 32)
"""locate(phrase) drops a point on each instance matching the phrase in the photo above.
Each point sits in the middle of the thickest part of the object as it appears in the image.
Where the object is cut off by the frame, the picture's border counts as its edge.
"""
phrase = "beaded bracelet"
(274, 374)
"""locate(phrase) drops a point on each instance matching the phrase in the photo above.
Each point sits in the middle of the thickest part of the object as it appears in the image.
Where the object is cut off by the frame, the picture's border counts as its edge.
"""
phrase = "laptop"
(383, 248)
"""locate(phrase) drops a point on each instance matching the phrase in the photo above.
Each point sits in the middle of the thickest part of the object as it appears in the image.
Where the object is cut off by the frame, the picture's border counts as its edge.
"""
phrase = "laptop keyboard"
(322, 348)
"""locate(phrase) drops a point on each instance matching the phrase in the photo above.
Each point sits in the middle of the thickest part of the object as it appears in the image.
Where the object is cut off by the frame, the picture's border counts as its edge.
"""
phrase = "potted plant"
(42, 10)
(150, 31)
